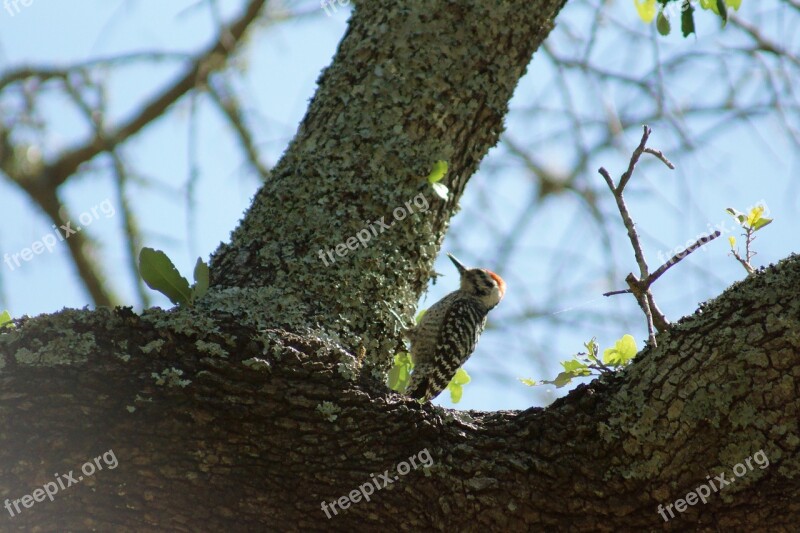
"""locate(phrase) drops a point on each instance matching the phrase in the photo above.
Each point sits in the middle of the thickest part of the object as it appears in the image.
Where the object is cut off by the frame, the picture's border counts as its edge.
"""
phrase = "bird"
(449, 331)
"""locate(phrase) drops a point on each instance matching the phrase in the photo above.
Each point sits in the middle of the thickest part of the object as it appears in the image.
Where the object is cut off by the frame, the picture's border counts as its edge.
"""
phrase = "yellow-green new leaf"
(400, 372)
(760, 223)
(461, 377)
(646, 10)
(623, 351)
(456, 385)
(5, 320)
(438, 171)
(754, 215)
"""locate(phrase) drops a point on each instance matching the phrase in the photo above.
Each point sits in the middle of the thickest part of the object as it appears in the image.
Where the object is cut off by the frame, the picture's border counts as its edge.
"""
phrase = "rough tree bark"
(266, 399)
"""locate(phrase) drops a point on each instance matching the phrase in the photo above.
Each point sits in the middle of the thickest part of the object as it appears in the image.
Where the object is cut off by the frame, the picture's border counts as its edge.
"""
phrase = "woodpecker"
(448, 332)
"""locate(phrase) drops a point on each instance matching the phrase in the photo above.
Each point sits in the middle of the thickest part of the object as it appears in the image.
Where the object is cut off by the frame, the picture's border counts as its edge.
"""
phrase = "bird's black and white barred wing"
(462, 326)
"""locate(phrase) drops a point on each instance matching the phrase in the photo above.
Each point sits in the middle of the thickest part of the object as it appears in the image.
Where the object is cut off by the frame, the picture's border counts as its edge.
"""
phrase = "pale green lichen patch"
(153, 346)
(189, 321)
(211, 348)
(348, 366)
(329, 411)
(257, 364)
(170, 377)
(68, 348)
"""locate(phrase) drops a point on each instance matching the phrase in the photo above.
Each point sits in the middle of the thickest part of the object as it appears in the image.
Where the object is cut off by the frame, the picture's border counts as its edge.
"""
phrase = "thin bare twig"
(640, 286)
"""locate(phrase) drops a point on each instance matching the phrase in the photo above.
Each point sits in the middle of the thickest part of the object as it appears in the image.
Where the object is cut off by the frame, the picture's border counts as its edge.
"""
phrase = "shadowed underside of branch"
(269, 427)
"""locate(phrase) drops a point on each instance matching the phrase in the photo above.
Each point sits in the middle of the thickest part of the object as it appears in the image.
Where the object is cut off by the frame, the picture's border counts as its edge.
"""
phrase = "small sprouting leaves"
(437, 173)
(670, 8)
(623, 351)
(755, 218)
(753, 221)
(456, 385)
(160, 274)
(587, 363)
(5, 320)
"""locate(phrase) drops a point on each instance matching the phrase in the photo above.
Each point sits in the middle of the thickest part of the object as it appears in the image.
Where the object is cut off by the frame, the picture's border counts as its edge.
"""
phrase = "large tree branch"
(268, 426)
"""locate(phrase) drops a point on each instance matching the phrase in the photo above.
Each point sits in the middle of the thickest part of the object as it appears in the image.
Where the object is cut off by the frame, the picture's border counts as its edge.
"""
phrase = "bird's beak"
(461, 268)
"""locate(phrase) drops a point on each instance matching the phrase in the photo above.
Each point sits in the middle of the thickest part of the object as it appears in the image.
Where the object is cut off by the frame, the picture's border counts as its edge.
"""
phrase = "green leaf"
(456, 385)
(528, 381)
(722, 11)
(5, 320)
(591, 348)
(394, 378)
(419, 316)
(441, 190)
(575, 367)
(623, 351)
(564, 378)
(687, 19)
(438, 172)
(740, 217)
(760, 223)
(710, 5)
(160, 274)
(461, 377)
(646, 10)
(456, 391)
(400, 372)
(662, 24)
(200, 286)
(732, 240)
(734, 4)
(754, 215)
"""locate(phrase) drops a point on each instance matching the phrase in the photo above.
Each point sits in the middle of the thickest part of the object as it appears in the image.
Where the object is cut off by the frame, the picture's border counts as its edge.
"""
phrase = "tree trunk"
(263, 407)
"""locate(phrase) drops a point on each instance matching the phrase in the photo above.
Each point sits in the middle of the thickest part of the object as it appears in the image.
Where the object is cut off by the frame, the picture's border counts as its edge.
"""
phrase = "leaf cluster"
(589, 363)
